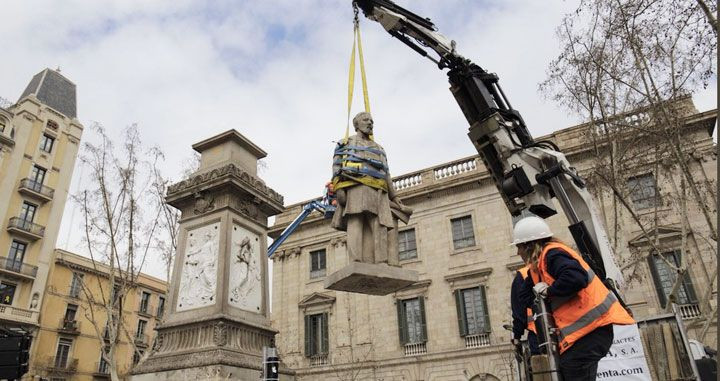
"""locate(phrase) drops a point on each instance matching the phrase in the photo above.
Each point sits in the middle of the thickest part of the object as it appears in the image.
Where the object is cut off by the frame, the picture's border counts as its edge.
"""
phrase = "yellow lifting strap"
(357, 43)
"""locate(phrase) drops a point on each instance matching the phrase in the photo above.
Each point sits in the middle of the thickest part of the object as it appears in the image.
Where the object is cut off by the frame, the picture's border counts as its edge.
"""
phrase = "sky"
(276, 71)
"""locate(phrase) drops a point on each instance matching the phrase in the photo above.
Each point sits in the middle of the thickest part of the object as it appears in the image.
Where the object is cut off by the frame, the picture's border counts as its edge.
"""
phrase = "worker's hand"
(340, 194)
(541, 289)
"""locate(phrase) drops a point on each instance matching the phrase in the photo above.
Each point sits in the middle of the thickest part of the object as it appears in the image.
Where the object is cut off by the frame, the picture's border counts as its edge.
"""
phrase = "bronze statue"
(368, 207)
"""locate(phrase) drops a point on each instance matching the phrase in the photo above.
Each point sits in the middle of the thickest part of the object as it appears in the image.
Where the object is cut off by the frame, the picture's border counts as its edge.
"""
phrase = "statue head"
(363, 122)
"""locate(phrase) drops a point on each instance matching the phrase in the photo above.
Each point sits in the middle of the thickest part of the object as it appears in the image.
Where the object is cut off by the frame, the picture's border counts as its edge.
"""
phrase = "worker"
(522, 315)
(584, 309)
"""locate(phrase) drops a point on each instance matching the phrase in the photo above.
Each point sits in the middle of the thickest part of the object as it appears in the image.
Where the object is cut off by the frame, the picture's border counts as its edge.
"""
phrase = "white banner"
(626, 359)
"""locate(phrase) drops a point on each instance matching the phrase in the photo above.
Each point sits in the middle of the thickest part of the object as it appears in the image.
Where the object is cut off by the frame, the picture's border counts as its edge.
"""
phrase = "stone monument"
(218, 320)
(369, 210)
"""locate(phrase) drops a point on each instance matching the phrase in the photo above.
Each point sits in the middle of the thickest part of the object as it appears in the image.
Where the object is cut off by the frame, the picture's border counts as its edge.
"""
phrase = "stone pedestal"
(218, 319)
(368, 278)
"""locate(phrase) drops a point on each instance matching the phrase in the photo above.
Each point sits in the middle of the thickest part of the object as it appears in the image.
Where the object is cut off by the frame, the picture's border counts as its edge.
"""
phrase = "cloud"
(277, 72)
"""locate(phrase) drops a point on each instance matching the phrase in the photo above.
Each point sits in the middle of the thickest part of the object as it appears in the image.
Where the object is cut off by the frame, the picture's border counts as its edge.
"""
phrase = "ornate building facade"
(67, 346)
(39, 140)
(450, 324)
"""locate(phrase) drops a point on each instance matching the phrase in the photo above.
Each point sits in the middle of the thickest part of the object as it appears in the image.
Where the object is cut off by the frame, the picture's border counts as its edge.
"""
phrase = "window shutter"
(421, 302)
(308, 336)
(462, 318)
(325, 347)
(402, 324)
(486, 312)
(656, 280)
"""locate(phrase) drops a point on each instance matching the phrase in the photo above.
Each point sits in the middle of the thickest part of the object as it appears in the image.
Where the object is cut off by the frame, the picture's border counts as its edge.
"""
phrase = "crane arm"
(526, 172)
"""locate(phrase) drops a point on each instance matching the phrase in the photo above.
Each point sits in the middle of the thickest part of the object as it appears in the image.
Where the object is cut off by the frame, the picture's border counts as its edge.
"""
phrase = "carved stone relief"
(245, 270)
(203, 204)
(199, 270)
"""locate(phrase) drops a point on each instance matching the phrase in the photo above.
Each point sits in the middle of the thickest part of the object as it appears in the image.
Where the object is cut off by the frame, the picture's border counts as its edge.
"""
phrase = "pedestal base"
(210, 349)
(372, 279)
(207, 373)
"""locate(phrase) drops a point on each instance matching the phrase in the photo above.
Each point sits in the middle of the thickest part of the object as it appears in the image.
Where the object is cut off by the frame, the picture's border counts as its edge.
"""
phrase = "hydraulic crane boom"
(526, 172)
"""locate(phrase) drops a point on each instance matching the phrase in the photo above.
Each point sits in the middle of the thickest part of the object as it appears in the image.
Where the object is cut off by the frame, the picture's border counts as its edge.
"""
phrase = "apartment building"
(71, 336)
(450, 324)
(39, 141)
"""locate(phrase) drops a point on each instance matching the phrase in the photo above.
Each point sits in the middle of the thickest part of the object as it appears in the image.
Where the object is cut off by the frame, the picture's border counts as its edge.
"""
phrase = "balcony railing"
(18, 267)
(70, 326)
(61, 364)
(477, 341)
(37, 189)
(26, 228)
(689, 311)
(415, 349)
(319, 360)
(103, 369)
(11, 313)
(454, 169)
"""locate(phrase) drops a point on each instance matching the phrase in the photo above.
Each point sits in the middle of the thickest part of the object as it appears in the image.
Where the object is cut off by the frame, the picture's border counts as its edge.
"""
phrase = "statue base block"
(371, 279)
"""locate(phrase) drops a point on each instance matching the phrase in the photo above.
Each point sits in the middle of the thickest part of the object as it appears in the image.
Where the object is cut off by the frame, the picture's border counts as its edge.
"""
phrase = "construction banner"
(626, 359)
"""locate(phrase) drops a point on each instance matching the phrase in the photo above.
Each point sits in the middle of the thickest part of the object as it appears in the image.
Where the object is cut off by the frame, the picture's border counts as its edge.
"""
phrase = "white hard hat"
(530, 229)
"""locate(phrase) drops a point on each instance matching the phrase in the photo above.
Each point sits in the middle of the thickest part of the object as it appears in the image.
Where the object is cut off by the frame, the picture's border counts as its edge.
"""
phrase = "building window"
(317, 263)
(76, 285)
(103, 366)
(62, 353)
(473, 314)
(144, 302)
(27, 213)
(16, 256)
(462, 232)
(643, 191)
(140, 334)
(137, 355)
(407, 248)
(161, 307)
(46, 143)
(114, 296)
(37, 177)
(51, 124)
(70, 312)
(316, 335)
(7, 292)
(411, 320)
(664, 277)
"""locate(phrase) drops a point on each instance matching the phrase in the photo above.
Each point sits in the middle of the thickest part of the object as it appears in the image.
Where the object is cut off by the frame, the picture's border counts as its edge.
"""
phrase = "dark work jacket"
(569, 276)
(520, 300)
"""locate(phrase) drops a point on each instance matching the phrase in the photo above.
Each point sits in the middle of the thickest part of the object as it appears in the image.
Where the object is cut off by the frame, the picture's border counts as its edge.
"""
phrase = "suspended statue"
(368, 207)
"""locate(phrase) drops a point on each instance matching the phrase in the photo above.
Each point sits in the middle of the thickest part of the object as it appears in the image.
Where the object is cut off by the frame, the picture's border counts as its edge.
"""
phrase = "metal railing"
(102, 368)
(415, 349)
(477, 341)
(69, 326)
(689, 311)
(27, 226)
(319, 360)
(18, 266)
(37, 187)
(62, 364)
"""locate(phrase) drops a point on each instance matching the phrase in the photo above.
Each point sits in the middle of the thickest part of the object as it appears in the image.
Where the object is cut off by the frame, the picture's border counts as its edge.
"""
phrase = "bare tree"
(119, 231)
(629, 67)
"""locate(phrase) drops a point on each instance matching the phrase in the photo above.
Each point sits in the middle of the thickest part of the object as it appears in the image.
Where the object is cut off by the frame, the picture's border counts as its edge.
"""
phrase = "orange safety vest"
(592, 307)
(530, 316)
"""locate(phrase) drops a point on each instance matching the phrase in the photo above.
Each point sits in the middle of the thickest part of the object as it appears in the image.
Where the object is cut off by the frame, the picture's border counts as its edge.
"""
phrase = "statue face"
(364, 123)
